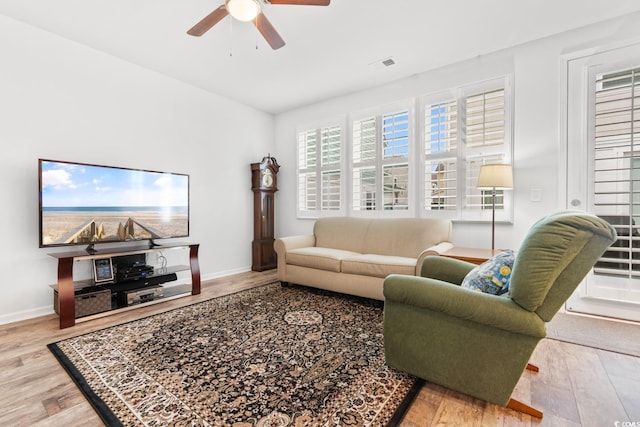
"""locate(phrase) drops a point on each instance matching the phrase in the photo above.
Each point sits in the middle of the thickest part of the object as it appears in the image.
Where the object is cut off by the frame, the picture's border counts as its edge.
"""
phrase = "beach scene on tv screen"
(92, 204)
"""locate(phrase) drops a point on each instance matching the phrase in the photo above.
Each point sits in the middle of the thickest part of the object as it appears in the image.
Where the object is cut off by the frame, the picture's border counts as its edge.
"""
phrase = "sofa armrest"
(438, 249)
(284, 244)
(450, 300)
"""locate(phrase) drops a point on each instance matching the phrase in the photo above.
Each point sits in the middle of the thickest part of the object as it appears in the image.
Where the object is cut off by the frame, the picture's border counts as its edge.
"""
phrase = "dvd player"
(138, 296)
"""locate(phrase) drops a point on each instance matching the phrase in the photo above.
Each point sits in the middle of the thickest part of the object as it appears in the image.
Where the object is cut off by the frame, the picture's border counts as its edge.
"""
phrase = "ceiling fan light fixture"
(243, 10)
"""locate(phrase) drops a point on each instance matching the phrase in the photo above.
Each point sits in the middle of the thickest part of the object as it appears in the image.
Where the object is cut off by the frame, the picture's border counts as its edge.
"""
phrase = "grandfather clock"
(263, 184)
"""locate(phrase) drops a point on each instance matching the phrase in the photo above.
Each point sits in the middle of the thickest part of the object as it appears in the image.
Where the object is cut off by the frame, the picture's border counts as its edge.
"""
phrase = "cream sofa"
(354, 255)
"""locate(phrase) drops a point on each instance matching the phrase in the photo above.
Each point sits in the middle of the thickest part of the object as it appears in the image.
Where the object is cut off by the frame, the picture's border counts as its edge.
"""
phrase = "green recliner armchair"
(477, 343)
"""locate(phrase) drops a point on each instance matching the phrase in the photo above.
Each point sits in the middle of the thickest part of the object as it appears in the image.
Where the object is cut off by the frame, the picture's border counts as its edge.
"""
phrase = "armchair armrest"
(438, 249)
(450, 300)
(449, 270)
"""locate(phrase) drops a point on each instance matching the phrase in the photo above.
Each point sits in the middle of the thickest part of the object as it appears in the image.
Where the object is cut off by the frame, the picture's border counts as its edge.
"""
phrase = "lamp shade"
(495, 176)
(243, 10)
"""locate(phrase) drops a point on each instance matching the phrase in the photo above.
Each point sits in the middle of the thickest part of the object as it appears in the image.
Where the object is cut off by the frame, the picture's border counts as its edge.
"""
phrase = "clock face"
(267, 178)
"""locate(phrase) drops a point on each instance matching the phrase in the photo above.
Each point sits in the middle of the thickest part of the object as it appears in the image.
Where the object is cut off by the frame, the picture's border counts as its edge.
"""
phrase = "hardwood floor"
(576, 385)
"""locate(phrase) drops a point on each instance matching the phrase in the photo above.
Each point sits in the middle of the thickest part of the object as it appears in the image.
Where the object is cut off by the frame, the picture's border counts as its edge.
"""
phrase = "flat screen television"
(85, 204)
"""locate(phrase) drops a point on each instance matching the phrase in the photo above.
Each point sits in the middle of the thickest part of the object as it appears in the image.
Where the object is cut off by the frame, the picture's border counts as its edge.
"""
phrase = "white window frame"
(462, 154)
(319, 169)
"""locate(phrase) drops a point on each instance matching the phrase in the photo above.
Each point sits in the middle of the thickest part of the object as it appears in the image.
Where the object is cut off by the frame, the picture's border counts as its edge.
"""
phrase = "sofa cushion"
(404, 237)
(492, 276)
(378, 265)
(318, 257)
(345, 233)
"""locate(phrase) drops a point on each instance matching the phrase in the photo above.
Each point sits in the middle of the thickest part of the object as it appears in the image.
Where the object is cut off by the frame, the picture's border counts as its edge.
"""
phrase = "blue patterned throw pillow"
(492, 276)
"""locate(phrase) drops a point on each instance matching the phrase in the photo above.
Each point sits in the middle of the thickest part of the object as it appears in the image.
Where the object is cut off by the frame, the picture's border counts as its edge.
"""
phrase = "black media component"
(135, 282)
(135, 291)
(131, 267)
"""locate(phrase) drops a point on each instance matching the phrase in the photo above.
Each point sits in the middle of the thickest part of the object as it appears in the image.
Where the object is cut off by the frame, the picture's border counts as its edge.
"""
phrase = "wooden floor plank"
(575, 386)
(76, 416)
(425, 406)
(459, 409)
(624, 373)
(597, 400)
(552, 387)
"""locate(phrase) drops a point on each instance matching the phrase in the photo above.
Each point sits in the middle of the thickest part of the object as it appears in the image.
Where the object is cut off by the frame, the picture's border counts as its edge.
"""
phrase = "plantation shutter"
(319, 169)
(616, 162)
(381, 161)
(395, 154)
(364, 164)
(462, 134)
(307, 160)
(440, 148)
(331, 148)
(484, 143)
(484, 122)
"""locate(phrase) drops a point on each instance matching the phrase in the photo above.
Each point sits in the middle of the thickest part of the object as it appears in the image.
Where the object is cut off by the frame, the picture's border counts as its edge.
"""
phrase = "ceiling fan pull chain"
(255, 23)
(231, 38)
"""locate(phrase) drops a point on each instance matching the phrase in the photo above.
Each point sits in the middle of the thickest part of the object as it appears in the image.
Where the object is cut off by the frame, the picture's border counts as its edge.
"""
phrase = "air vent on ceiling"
(383, 63)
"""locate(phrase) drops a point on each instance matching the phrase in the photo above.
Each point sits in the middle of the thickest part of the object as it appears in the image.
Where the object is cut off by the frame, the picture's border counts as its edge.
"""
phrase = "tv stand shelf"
(66, 287)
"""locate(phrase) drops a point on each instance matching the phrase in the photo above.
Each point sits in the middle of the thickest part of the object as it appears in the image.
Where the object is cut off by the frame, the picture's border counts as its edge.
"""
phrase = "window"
(441, 139)
(464, 129)
(380, 170)
(379, 167)
(320, 170)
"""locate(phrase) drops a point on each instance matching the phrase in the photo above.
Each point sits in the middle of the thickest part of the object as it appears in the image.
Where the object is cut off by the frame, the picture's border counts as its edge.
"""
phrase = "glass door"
(603, 173)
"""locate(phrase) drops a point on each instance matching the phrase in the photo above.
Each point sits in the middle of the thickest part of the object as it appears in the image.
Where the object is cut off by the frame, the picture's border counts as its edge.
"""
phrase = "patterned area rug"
(270, 356)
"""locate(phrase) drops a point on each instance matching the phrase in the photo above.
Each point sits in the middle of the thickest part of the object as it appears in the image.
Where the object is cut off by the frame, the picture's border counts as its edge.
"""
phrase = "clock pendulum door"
(264, 186)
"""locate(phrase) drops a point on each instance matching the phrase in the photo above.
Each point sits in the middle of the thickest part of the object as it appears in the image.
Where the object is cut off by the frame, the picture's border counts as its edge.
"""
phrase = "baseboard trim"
(26, 314)
(225, 273)
(48, 309)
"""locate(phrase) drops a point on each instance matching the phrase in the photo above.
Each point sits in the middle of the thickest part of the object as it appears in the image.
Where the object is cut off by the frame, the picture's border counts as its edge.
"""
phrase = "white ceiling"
(329, 50)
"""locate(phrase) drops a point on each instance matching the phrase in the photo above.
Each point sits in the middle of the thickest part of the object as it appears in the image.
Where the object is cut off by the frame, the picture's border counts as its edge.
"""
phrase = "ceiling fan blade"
(208, 21)
(268, 31)
(302, 2)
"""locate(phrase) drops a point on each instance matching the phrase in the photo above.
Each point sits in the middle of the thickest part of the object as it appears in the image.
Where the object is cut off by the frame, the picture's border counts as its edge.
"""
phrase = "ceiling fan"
(250, 10)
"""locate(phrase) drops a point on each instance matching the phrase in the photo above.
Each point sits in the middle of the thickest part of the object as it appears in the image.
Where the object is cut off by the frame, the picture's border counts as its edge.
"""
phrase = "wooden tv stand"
(66, 286)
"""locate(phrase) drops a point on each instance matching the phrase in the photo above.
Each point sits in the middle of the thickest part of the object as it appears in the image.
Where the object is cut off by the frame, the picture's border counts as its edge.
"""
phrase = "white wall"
(61, 100)
(538, 164)
(65, 101)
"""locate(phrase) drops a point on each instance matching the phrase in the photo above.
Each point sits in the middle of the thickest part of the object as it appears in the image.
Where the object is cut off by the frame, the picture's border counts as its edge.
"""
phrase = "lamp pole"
(493, 219)
(490, 177)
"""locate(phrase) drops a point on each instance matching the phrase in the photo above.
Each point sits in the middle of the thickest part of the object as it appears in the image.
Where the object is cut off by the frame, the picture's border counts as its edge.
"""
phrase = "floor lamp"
(492, 177)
